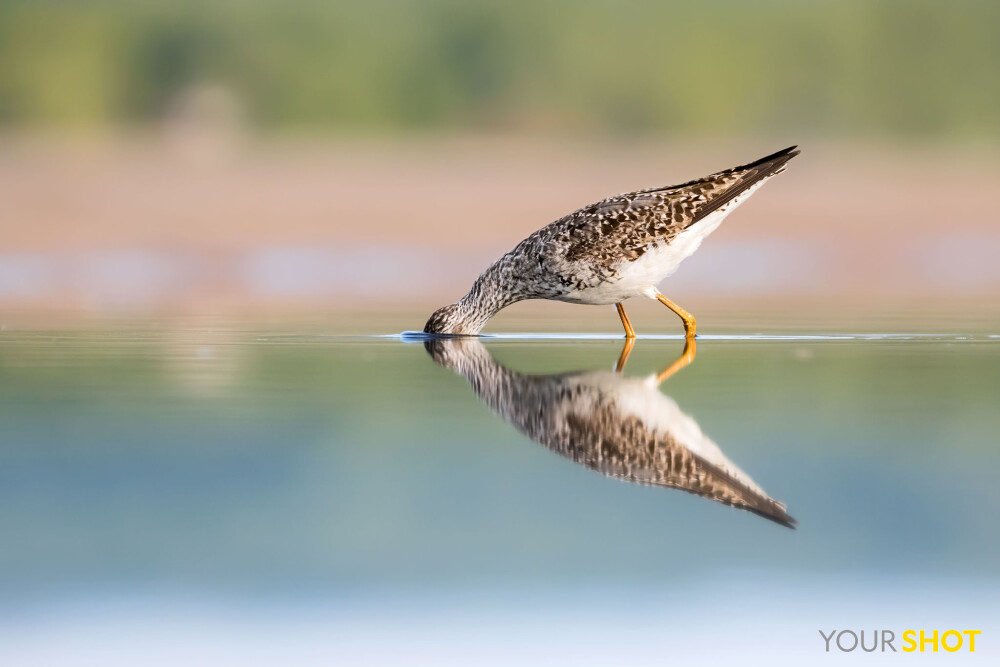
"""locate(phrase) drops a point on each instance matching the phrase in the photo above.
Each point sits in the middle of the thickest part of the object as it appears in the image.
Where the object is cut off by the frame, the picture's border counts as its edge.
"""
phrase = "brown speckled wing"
(627, 225)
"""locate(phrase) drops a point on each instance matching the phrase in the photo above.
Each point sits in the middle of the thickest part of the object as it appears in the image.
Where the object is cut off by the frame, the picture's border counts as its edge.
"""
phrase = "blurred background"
(222, 157)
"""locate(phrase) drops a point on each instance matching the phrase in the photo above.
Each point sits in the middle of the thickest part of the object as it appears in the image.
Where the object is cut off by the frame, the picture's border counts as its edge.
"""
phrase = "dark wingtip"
(782, 156)
(749, 175)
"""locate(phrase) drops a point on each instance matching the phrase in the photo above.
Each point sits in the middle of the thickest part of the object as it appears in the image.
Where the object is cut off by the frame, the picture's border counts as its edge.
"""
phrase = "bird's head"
(455, 319)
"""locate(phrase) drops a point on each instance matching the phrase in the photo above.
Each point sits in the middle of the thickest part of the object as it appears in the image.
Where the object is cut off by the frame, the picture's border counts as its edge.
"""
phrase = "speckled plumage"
(621, 427)
(611, 250)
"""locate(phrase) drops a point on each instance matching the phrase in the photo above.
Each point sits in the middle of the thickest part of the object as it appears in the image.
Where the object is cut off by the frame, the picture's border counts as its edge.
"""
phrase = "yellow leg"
(629, 332)
(623, 357)
(684, 315)
(687, 356)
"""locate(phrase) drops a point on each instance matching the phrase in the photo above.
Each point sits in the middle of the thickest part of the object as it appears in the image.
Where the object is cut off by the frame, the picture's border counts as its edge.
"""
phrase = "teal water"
(190, 495)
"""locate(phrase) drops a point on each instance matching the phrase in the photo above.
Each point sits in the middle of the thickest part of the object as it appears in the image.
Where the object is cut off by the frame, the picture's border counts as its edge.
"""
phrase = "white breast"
(640, 277)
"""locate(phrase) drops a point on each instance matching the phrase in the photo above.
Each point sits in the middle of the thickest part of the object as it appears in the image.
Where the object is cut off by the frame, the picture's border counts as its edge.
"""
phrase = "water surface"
(195, 495)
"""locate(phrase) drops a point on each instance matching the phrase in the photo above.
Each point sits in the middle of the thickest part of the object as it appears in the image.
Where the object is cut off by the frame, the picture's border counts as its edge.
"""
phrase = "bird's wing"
(709, 194)
(624, 226)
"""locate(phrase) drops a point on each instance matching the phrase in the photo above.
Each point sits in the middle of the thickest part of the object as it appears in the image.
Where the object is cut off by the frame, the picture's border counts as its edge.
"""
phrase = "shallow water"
(194, 495)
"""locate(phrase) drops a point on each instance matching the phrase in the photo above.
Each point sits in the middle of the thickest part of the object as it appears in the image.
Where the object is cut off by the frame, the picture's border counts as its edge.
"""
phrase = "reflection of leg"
(684, 315)
(629, 331)
(686, 358)
(623, 357)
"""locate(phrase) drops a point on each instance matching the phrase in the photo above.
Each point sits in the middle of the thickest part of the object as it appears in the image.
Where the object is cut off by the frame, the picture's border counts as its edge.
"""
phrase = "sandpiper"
(610, 251)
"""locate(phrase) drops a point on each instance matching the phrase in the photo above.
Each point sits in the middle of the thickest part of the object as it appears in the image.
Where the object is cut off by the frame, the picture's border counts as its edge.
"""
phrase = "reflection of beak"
(687, 356)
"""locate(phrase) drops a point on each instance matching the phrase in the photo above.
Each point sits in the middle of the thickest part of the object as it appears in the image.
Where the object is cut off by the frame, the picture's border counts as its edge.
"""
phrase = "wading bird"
(610, 251)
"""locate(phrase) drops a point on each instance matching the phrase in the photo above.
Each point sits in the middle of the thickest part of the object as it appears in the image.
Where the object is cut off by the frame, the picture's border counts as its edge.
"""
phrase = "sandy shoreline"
(163, 223)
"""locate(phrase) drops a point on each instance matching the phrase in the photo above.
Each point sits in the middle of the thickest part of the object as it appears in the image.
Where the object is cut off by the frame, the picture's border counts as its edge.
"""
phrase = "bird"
(612, 250)
(622, 427)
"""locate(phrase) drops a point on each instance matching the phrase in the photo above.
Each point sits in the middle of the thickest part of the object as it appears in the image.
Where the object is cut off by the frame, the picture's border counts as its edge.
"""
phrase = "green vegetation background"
(906, 68)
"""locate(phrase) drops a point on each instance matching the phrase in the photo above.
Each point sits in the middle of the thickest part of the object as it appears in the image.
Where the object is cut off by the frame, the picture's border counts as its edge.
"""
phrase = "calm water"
(195, 496)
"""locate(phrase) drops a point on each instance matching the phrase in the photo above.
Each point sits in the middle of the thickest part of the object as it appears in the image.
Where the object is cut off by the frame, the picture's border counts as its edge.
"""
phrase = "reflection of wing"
(622, 446)
(621, 427)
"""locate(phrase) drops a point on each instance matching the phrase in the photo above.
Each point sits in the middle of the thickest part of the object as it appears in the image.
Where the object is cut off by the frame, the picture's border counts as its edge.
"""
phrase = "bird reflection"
(620, 426)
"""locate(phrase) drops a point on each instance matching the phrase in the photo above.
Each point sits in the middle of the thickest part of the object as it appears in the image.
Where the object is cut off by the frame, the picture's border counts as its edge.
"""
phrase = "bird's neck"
(488, 295)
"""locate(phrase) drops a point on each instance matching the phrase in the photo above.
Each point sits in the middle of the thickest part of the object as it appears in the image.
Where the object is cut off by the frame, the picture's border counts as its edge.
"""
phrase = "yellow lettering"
(944, 641)
(909, 643)
(971, 634)
(924, 640)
